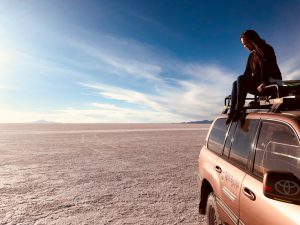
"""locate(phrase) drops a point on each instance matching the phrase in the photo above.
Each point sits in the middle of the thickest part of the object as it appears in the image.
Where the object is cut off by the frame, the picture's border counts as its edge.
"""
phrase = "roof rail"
(287, 88)
(277, 98)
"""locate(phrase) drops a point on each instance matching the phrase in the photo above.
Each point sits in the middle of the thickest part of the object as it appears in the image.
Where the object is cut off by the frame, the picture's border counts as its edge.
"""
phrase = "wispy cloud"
(125, 58)
(112, 113)
(196, 93)
(291, 68)
(209, 73)
(4, 87)
(151, 22)
(188, 99)
(127, 95)
(133, 67)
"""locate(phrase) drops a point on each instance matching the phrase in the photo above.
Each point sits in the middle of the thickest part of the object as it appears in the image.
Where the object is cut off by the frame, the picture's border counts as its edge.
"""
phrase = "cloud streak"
(125, 58)
(4, 87)
(291, 68)
(192, 99)
(127, 95)
(193, 95)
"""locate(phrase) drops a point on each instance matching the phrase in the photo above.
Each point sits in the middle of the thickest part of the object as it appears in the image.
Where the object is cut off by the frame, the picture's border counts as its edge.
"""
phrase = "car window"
(277, 149)
(243, 141)
(229, 139)
(217, 136)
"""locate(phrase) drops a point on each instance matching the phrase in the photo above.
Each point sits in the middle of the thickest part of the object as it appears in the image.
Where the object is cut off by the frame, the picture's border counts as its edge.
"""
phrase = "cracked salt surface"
(146, 176)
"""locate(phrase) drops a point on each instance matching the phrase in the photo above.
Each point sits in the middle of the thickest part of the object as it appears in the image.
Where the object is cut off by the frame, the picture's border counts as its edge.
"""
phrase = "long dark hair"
(255, 39)
(258, 43)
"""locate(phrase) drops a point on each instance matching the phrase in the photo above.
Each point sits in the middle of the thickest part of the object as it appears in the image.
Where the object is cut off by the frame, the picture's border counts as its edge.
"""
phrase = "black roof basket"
(276, 98)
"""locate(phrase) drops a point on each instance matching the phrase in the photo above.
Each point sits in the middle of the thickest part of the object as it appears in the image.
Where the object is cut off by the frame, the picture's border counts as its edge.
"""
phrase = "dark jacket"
(263, 66)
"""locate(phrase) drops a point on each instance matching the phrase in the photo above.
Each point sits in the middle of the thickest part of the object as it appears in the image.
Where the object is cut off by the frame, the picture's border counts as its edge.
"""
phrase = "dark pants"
(240, 88)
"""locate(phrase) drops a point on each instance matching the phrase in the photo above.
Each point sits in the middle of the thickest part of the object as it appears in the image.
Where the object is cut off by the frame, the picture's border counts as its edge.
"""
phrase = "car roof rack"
(276, 98)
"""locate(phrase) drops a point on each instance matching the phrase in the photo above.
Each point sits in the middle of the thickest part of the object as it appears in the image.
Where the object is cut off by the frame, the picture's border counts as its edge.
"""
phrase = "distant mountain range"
(200, 122)
(42, 122)
(191, 122)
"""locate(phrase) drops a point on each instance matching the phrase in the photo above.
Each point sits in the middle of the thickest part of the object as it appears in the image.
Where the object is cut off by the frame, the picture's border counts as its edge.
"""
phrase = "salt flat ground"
(100, 173)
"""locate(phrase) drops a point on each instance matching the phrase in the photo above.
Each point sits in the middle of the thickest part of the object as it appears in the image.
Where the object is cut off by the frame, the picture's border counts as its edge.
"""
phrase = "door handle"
(249, 193)
(218, 169)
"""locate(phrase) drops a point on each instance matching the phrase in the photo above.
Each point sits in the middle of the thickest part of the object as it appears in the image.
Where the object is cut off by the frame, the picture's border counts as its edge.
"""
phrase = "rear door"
(277, 149)
(230, 169)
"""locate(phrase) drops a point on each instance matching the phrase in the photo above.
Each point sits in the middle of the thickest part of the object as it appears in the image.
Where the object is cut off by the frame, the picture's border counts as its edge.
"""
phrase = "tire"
(212, 215)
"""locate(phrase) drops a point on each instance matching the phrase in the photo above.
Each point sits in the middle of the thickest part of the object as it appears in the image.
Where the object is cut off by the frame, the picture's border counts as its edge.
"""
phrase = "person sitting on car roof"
(261, 70)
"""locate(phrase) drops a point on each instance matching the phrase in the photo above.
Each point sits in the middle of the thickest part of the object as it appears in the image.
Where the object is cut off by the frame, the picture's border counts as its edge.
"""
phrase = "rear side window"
(229, 139)
(217, 136)
(277, 149)
(242, 142)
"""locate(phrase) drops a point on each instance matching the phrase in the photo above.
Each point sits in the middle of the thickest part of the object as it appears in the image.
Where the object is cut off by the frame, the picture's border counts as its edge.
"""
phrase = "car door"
(277, 149)
(230, 169)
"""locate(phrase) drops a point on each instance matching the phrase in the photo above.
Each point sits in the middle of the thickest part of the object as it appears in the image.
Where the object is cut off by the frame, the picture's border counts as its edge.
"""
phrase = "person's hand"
(261, 88)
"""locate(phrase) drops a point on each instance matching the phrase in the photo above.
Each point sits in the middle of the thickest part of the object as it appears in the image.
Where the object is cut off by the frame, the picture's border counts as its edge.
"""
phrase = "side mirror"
(282, 186)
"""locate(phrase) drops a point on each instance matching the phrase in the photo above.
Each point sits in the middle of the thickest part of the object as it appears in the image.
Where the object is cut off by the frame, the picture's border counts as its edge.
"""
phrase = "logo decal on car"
(287, 187)
(229, 178)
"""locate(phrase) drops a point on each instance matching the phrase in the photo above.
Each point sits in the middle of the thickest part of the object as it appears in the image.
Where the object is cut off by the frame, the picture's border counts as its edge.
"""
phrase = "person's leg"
(233, 97)
(243, 85)
(233, 102)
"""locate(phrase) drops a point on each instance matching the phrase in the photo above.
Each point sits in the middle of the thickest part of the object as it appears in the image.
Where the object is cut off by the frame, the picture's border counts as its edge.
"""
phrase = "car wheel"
(212, 215)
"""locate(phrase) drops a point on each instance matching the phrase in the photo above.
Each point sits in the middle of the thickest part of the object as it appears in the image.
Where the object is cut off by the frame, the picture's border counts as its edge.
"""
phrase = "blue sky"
(129, 61)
